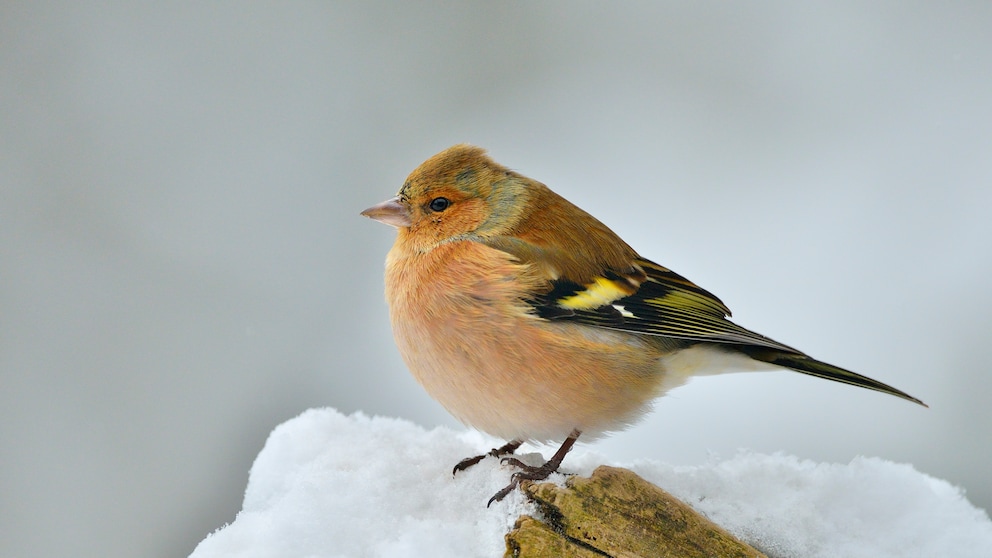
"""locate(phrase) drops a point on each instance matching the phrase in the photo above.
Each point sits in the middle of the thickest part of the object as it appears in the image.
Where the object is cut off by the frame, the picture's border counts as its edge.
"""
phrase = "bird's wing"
(649, 299)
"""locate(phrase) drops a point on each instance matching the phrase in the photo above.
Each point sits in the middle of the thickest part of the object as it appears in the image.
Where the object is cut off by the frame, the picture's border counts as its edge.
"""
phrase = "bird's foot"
(526, 469)
(532, 473)
(505, 449)
(527, 472)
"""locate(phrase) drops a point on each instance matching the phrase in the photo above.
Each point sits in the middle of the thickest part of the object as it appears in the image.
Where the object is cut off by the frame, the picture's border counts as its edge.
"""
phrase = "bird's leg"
(506, 449)
(529, 472)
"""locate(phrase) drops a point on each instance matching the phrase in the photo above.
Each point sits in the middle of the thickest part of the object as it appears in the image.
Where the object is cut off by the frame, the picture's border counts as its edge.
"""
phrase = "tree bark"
(615, 513)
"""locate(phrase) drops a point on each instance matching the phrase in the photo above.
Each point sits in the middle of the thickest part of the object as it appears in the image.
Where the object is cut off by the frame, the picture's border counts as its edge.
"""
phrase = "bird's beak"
(391, 212)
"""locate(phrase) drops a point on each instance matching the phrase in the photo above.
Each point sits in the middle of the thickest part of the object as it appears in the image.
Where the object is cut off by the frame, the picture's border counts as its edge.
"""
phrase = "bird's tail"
(807, 365)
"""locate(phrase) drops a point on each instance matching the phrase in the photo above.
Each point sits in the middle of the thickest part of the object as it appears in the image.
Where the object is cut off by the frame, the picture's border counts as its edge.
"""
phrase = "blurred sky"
(183, 266)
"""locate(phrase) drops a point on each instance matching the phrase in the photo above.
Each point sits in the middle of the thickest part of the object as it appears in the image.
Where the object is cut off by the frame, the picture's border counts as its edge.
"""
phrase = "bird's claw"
(532, 473)
(503, 493)
(467, 462)
(528, 473)
(505, 449)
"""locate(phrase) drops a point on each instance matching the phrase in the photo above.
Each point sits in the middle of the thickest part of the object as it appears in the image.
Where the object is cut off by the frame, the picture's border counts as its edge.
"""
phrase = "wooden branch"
(615, 513)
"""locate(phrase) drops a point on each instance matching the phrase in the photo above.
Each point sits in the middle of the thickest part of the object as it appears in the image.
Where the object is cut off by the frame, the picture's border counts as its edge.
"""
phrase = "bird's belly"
(525, 378)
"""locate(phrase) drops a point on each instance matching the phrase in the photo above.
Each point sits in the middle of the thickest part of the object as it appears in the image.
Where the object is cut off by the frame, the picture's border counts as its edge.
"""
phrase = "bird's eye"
(439, 204)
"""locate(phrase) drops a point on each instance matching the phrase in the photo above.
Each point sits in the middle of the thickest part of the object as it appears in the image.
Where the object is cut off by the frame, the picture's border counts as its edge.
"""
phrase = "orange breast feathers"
(465, 332)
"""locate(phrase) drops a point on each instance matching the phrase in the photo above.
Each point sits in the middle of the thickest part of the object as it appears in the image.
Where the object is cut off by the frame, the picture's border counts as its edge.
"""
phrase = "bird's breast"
(462, 324)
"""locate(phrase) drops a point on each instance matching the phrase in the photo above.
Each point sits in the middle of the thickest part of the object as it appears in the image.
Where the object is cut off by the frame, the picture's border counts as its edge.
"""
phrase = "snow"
(331, 485)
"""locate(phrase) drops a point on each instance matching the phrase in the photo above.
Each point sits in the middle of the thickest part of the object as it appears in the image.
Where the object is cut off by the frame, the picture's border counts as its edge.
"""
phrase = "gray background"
(183, 267)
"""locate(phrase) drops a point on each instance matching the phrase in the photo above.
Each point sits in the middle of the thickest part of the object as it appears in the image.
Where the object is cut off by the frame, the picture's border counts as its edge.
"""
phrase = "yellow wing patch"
(599, 293)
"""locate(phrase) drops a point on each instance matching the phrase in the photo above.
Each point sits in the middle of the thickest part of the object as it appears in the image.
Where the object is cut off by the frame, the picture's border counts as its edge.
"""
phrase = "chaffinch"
(528, 319)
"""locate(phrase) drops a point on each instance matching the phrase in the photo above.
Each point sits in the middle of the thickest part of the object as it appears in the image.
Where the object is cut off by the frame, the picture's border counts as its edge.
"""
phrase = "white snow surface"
(331, 485)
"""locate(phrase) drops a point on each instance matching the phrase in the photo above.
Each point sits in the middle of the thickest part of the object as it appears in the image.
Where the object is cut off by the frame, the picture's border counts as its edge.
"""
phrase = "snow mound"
(332, 485)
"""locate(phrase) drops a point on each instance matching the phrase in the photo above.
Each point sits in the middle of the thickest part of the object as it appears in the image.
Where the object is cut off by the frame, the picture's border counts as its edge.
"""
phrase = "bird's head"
(458, 193)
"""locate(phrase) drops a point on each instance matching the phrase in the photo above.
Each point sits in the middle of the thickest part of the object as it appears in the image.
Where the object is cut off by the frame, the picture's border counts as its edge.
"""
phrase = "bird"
(527, 318)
